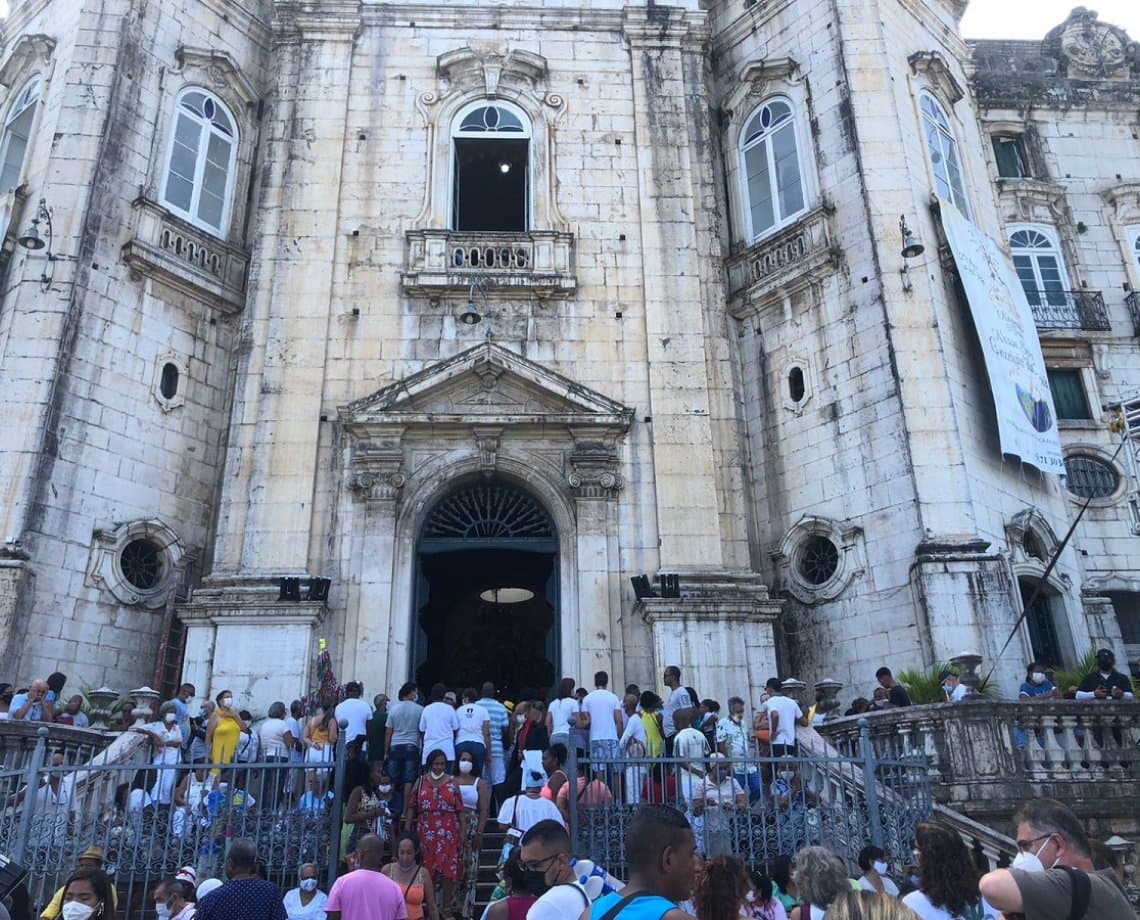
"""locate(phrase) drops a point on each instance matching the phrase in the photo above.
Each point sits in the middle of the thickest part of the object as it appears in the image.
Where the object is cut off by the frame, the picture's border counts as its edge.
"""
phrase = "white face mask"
(520, 718)
(161, 911)
(308, 884)
(1031, 862)
(439, 775)
(169, 718)
(880, 867)
(750, 897)
(466, 766)
(73, 910)
(227, 701)
(384, 790)
(1037, 677)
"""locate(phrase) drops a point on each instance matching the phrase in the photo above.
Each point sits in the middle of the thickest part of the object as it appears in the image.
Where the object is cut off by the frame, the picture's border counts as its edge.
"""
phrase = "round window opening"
(819, 560)
(796, 387)
(1090, 477)
(141, 562)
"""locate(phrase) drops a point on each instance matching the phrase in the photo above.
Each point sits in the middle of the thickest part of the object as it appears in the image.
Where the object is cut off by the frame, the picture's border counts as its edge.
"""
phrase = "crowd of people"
(426, 777)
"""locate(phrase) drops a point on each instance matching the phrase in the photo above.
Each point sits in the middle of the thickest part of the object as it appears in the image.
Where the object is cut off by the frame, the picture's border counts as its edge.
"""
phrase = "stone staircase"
(488, 861)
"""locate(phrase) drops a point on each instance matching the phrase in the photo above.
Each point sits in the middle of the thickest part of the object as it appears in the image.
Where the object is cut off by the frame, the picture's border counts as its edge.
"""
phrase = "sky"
(1033, 18)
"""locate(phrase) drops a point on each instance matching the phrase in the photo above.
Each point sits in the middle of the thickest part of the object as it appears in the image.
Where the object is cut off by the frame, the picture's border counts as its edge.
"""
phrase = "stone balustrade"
(798, 251)
(18, 742)
(541, 262)
(186, 258)
(988, 756)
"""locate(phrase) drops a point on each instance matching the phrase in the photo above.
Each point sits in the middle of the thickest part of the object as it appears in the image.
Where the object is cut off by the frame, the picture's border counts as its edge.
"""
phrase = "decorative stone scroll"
(378, 472)
(934, 67)
(593, 470)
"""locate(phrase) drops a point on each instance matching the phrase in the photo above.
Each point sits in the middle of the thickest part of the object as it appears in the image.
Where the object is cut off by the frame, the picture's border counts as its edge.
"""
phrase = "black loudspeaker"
(318, 589)
(290, 589)
(641, 586)
(670, 586)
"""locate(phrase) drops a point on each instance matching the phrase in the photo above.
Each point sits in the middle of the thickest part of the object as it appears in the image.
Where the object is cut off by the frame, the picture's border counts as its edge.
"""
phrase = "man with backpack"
(1052, 877)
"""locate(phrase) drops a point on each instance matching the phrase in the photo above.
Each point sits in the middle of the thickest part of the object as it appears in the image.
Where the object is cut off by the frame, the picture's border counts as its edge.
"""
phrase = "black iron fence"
(150, 820)
(756, 807)
(1081, 309)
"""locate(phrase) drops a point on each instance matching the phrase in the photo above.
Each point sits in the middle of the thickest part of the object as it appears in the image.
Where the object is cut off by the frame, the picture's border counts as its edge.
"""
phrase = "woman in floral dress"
(440, 822)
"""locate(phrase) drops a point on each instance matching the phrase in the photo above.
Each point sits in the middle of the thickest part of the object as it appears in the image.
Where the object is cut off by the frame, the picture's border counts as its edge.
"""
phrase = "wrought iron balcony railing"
(1133, 302)
(1069, 310)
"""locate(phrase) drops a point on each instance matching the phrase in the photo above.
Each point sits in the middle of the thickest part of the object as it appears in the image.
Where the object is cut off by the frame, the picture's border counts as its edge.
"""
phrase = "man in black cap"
(1105, 683)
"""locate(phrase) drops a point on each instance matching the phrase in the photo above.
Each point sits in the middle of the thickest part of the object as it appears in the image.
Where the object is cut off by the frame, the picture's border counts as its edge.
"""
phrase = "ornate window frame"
(210, 126)
(934, 118)
(105, 570)
(526, 133)
(179, 398)
(788, 555)
(1095, 452)
(26, 101)
(1056, 248)
(763, 137)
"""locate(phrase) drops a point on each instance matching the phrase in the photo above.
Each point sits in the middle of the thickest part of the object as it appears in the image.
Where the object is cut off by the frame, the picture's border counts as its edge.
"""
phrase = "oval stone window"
(168, 384)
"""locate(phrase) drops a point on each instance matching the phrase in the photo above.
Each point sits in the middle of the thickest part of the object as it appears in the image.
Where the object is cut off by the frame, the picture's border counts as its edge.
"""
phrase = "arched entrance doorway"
(487, 593)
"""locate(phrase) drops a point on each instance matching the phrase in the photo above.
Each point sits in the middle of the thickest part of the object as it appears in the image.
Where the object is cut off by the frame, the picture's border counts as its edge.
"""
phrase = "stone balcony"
(188, 259)
(539, 262)
(798, 252)
(988, 756)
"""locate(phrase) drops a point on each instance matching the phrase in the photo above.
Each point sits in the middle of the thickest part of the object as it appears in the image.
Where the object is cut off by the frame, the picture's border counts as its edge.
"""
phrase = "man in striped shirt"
(500, 719)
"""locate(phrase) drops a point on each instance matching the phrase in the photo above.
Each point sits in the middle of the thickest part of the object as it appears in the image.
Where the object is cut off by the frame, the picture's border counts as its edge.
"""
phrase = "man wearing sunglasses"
(1052, 876)
(544, 855)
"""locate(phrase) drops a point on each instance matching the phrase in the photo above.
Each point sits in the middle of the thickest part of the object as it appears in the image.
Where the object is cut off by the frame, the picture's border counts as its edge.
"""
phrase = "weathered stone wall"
(92, 446)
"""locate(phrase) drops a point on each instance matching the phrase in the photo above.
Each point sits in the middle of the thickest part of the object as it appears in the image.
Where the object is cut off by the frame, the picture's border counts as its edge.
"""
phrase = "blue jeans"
(404, 763)
(477, 750)
(751, 782)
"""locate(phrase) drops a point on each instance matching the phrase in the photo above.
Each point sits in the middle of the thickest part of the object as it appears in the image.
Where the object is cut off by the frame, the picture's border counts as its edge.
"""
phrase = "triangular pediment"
(487, 384)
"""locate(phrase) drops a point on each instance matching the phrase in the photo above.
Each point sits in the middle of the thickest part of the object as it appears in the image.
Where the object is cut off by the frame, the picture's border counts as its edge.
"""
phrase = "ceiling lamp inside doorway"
(506, 595)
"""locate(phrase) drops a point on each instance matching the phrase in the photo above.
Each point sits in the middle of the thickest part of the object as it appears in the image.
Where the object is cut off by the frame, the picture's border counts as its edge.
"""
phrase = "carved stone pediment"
(487, 386)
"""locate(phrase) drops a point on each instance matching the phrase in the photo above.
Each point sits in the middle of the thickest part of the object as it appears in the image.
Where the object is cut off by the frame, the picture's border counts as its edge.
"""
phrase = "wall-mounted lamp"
(32, 241)
(912, 249)
(470, 315)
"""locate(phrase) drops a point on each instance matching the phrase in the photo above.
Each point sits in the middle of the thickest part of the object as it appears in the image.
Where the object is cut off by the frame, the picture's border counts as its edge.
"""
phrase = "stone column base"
(241, 637)
(719, 632)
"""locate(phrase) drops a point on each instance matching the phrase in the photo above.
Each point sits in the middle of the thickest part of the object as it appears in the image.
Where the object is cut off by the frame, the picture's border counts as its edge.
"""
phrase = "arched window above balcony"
(942, 148)
(491, 168)
(773, 175)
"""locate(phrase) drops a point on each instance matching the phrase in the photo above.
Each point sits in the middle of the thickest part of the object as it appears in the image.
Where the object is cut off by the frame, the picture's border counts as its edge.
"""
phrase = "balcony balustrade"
(1069, 310)
(986, 757)
(801, 249)
(187, 258)
(541, 262)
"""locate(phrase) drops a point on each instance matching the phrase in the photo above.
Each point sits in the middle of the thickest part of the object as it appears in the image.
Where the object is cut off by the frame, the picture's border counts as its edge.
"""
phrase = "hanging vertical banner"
(1027, 422)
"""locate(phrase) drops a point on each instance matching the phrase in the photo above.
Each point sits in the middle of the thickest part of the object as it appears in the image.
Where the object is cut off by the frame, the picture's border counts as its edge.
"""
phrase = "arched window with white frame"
(942, 148)
(773, 175)
(1037, 259)
(1134, 246)
(198, 180)
(491, 168)
(17, 132)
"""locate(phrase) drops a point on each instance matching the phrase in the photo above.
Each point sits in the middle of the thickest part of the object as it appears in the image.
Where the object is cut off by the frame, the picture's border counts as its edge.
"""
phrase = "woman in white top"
(477, 803)
(947, 879)
(558, 714)
(474, 734)
(821, 877)
(166, 740)
(306, 901)
(873, 861)
(190, 801)
(277, 743)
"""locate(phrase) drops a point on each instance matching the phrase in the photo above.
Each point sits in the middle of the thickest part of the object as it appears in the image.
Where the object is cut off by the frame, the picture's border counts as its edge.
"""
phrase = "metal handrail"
(1080, 309)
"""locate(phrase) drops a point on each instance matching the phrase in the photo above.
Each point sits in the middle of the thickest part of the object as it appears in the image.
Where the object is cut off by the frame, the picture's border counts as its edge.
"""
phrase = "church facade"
(512, 341)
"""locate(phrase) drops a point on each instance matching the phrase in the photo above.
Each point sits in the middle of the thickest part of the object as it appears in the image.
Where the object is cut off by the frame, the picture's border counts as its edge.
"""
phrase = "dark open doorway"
(488, 535)
(491, 184)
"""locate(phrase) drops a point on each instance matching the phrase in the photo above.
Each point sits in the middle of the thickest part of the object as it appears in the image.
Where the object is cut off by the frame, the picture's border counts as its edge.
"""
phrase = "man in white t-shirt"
(784, 714)
(732, 741)
(679, 699)
(474, 735)
(954, 689)
(601, 713)
(353, 710)
(438, 725)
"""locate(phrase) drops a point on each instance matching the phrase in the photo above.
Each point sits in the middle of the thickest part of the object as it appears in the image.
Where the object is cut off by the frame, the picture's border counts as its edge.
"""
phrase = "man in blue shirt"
(500, 719)
(245, 895)
(33, 706)
(182, 710)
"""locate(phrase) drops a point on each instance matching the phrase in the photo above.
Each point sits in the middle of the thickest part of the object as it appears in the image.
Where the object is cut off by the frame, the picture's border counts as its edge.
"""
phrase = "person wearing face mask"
(166, 744)
(367, 810)
(947, 880)
(952, 687)
(873, 861)
(306, 901)
(1105, 683)
(88, 895)
(1037, 686)
(89, 861)
(544, 856)
(476, 794)
(174, 900)
(223, 731)
(440, 823)
(762, 903)
(1052, 877)
(732, 741)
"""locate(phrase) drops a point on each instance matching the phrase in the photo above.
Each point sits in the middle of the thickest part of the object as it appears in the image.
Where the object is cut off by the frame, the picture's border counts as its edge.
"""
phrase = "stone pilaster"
(719, 631)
